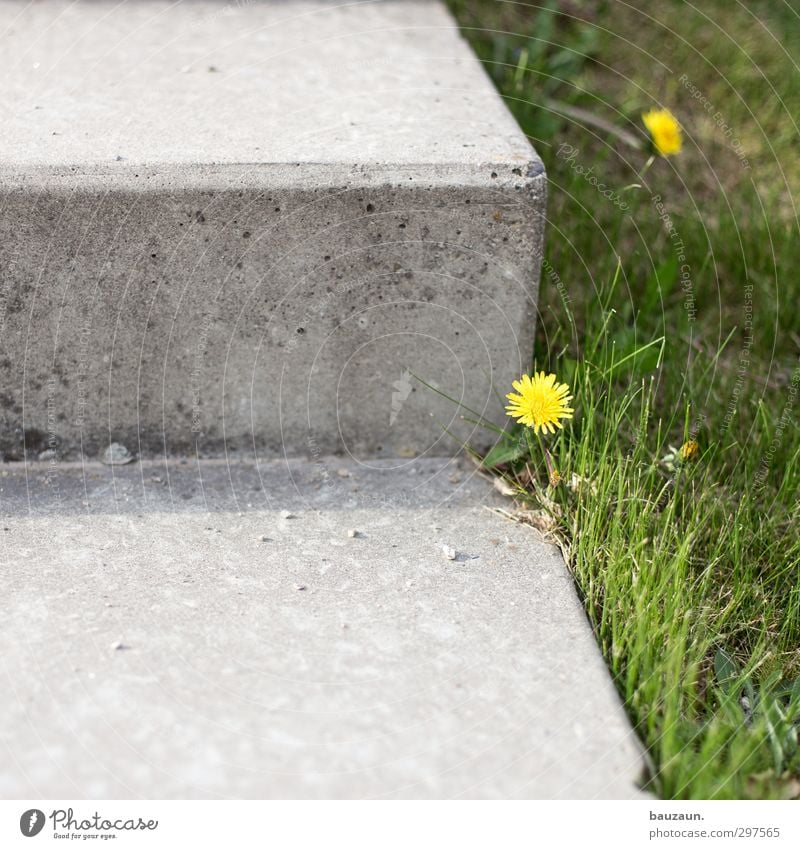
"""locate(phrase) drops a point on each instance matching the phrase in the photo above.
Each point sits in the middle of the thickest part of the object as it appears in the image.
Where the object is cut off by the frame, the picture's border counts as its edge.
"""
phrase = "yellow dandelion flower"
(664, 130)
(689, 450)
(541, 402)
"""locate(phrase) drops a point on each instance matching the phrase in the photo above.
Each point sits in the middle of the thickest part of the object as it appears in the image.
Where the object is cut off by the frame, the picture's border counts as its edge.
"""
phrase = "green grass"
(666, 335)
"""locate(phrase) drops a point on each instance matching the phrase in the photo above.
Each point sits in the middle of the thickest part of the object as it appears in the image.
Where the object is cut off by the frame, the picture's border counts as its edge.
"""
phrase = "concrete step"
(293, 629)
(238, 227)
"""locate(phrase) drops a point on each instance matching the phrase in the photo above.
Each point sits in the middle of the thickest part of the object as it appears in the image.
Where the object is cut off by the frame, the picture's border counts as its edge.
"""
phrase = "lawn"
(669, 302)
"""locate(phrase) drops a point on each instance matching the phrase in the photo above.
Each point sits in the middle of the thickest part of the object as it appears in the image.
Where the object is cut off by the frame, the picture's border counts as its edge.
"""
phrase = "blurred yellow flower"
(664, 130)
(689, 450)
(541, 402)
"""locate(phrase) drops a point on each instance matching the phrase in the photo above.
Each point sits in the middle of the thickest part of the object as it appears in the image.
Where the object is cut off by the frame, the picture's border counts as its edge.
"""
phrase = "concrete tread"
(215, 83)
(295, 629)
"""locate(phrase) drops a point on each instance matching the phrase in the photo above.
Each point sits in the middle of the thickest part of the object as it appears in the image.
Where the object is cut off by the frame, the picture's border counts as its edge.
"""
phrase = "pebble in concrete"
(117, 455)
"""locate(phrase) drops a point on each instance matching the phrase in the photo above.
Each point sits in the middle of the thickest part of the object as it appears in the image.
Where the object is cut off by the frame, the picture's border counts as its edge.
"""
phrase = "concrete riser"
(237, 310)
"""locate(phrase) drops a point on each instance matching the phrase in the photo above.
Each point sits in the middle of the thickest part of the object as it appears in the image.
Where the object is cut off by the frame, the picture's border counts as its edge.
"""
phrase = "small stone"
(287, 514)
(117, 455)
(503, 486)
(47, 455)
(300, 587)
(118, 646)
(155, 479)
(264, 538)
(354, 534)
(343, 473)
(449, 552)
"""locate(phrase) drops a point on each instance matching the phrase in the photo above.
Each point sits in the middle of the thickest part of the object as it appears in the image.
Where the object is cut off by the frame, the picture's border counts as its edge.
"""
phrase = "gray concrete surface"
(243, 228)
(169, 631)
